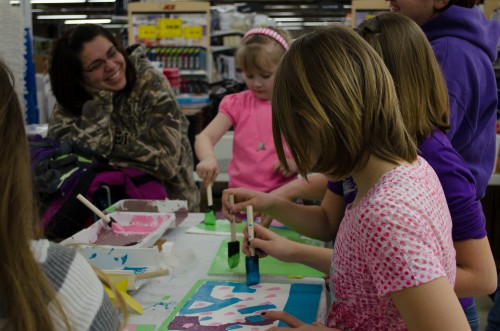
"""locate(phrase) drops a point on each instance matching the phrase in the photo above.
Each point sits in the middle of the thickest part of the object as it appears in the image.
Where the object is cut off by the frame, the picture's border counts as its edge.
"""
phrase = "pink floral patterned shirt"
(399, 236)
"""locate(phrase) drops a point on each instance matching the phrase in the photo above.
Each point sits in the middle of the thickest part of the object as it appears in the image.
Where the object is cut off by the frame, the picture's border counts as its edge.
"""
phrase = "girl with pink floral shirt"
(393, 266)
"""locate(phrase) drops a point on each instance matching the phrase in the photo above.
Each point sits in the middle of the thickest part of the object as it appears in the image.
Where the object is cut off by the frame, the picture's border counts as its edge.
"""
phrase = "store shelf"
(219, 49)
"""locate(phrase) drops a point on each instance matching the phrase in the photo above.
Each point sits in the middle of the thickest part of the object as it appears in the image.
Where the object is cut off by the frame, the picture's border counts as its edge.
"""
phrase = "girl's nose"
(110, 64)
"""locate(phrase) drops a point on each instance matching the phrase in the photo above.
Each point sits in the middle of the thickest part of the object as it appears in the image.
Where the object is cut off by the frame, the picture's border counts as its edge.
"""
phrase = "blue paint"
(251, 310)
(234, 327)
(93, 256)
(216, 304)
(136, 270)
(124, 258)
(256, 318)
(206, 318)
(165, 305)
(111, 251)
(116, 259)
(303, 302)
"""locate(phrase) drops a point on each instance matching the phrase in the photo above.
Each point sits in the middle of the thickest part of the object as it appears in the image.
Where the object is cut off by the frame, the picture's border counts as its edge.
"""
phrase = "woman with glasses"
(112, 102)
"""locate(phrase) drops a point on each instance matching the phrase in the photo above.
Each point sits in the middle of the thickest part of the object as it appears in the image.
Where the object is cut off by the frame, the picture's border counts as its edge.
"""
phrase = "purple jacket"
(458, 186)
(465, 44)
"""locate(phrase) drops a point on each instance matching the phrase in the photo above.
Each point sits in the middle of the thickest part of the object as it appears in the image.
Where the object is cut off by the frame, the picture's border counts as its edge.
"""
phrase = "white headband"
(269, 33)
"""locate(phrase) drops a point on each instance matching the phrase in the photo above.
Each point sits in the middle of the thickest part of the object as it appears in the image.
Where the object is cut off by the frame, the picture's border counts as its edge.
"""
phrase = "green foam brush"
(209, 212)
(233, 247)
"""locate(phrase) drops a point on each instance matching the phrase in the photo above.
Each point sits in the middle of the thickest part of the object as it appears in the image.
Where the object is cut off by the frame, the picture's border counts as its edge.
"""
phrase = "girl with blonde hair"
(254, 164)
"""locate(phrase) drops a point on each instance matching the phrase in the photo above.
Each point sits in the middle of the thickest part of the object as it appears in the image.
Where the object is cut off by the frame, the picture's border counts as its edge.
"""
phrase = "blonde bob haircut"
(259, 52)
(335, 104)
(421, 88)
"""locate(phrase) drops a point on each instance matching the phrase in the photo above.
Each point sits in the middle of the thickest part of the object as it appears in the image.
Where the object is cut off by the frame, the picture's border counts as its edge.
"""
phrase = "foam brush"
(233, 247)
(252, 261)
(108, 220)
(209, 212)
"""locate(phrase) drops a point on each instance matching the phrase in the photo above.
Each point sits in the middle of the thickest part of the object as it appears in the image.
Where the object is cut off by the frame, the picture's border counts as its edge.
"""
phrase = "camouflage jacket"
(144, 129)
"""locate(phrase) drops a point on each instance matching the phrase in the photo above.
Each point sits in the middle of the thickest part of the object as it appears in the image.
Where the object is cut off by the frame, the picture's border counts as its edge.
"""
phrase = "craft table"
(190, 261)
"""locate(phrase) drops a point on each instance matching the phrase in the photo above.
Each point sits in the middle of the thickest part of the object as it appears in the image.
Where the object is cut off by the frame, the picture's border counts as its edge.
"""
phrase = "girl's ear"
(440, 4)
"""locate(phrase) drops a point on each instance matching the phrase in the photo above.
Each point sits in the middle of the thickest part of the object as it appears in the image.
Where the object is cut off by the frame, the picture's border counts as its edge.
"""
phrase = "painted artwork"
(216, 305)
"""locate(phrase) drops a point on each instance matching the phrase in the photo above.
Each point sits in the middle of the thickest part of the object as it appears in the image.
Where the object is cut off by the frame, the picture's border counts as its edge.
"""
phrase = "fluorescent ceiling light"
(60, 17)
(288, 19)
(57, 1)
(101, 0)
(95, 21)
(288, 24)
(315, 23)
(116, 26)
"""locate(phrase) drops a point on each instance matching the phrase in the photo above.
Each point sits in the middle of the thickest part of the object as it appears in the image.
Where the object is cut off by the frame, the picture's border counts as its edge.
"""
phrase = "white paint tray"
(100, 234)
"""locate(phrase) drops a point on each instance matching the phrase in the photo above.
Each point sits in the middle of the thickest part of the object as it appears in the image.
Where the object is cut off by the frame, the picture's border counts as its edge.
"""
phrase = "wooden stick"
(250, 228)
(93, 208)
(210, 200)
(233, 221)
(152, 274)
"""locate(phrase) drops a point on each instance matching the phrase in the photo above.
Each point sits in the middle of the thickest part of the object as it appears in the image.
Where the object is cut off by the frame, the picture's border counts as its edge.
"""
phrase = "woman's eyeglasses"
(99, 63)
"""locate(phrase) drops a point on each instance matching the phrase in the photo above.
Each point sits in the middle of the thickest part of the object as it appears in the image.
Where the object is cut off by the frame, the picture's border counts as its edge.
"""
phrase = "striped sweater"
(80, 292)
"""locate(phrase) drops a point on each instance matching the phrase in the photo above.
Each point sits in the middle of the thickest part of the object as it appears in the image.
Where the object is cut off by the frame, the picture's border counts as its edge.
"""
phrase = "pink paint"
(140, 224)
(274, 289)
(240, 306)
(249, 298)
(270, 296)
(228, 296)
(230, 313)
(206, 313)
(187, 325)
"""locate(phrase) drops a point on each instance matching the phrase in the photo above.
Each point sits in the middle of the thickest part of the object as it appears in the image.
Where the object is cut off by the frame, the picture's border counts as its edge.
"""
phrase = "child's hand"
(244, 197)
(286, 173)
(267, 242)
(294, 323)
(208, 170)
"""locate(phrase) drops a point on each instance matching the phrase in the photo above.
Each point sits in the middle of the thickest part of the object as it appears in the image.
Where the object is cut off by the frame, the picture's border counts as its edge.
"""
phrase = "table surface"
(190, 261)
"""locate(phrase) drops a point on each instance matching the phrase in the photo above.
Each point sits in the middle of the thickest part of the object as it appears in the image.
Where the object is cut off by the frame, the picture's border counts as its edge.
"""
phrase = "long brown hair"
(25, 289)
(419, 82)
(334, 103)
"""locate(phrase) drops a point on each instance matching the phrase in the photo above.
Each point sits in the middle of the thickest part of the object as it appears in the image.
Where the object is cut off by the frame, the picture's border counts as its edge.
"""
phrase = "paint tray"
(114, 261)
(153, 225)
(178, 207)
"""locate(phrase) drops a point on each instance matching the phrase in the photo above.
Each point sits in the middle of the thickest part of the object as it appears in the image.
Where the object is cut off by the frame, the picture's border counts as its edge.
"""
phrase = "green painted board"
(267, 266)
(224, 226)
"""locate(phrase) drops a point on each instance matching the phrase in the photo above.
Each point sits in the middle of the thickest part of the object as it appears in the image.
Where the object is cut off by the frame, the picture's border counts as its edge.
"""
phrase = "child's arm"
(430, 306)
(319, 222)
(267, 242)
(314, 188)
(208, 168)
(476, 271)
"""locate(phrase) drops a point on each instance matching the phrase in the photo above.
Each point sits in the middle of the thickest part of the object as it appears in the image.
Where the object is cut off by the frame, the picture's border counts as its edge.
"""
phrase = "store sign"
(193, 32)
(170, 27)
(148, 32)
